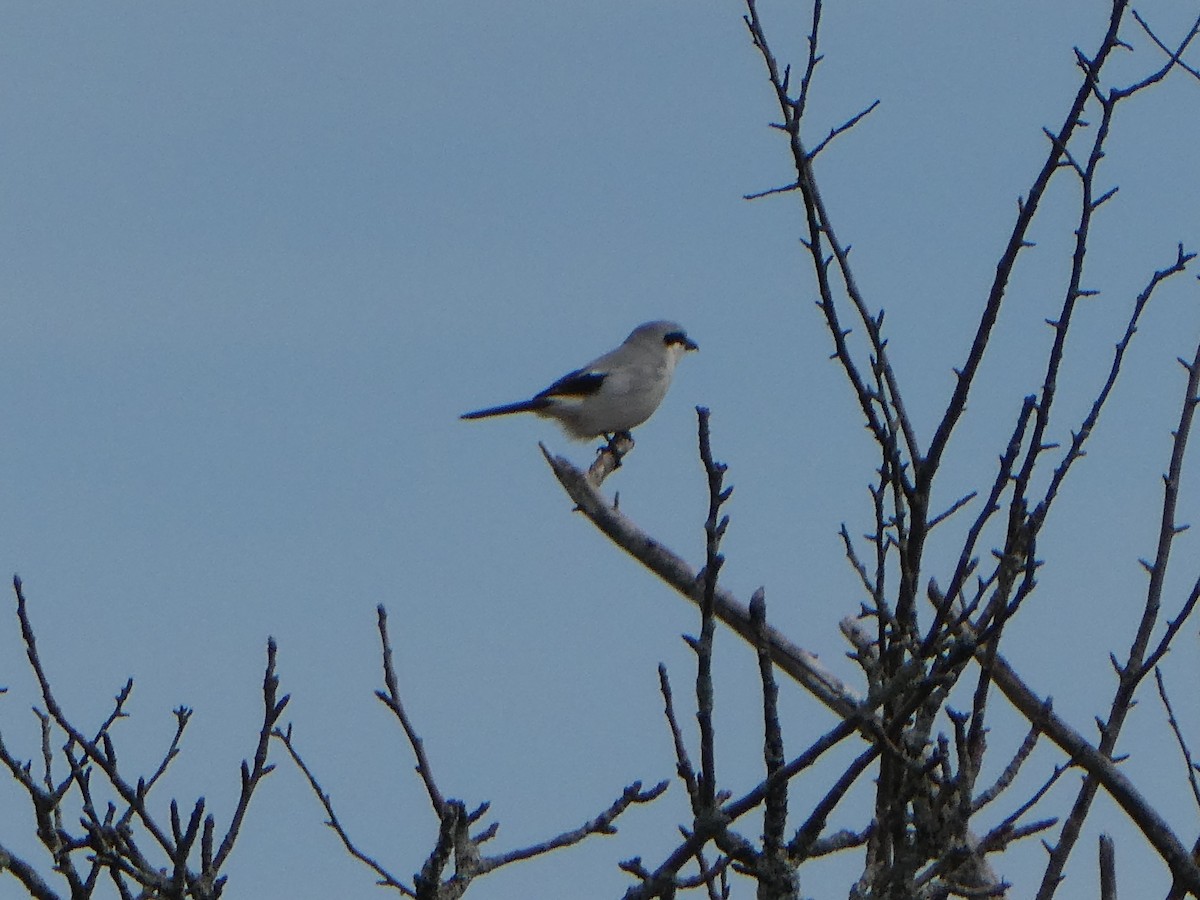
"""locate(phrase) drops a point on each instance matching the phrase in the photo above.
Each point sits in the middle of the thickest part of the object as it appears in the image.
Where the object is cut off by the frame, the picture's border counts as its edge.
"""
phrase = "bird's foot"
(619, 442)
(608, 457)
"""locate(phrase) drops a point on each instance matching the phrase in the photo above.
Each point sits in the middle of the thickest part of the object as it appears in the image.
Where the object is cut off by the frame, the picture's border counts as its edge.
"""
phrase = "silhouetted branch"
(1079, 437)
(455, 846)
(807, 840)
(877, 408)
(391, 699)
(842, 129)
(683, 764)
(601, 824)
(1108, 869)
(662, 881)
(1174, 57)
(27, 875)
(108, 842)
(386, 879)
(1148, 820)
(1188, 759)
(797, 663)
(1016, 242)
(1010, 771)
(1135, 668)
(714, 531)
(775, 814)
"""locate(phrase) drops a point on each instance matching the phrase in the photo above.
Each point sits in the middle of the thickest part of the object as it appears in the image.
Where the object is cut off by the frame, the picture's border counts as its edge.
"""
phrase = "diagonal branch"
(799, 664)
(1016, 242)
(1188, 760)
(1174, 57)
(1079, 437)
(386, 879)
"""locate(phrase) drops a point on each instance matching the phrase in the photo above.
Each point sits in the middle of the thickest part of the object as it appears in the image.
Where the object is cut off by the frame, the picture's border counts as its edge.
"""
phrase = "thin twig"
(1174, 58)
(663, 878)
(386, 879)
(1010, 772)
(600, 824)
(391, 699)
(843, 128)
(252, 775)
(1079, 437)
(1188, 760)
(683, 764)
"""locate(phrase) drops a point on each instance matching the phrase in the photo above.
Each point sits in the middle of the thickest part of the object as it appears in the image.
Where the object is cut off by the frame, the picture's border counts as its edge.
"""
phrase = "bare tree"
(456, 858)
(925, 633)
(926, 637)
(92, 842)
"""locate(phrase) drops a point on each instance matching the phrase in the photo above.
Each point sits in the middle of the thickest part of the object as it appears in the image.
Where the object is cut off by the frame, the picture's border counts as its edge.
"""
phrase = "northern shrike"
(613, 393)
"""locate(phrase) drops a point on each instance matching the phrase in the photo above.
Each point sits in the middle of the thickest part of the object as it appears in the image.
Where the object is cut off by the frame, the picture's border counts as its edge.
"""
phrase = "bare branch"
(386, 879)
(820, 231)
(1135, 667)
(1188, 759)
(1010, 771)
(683, 765)
(391, 699)
(108, 839)
(252, 775)
(954, 507)
(27, 875)
(843, 128)
(608, 458)
(1080, 436)
(799, 664)
(1108, 868)
(1168, 529)
(775, 816)
(1103, 770)
(807, 841)
(1173, 57)
(601, 824)
(714, 531)
(855, 562)
(653, 884)
(769, 192)
(1017, 242)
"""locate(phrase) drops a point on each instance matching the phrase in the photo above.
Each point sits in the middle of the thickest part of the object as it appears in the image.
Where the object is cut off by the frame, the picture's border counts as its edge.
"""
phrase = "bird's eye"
(675, 337)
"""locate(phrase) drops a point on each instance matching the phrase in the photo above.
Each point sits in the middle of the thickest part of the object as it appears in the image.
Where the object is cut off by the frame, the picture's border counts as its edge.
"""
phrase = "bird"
(613, 393)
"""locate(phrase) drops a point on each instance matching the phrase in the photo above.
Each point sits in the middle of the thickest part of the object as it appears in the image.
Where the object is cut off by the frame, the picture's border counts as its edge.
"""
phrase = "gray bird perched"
(613, 393)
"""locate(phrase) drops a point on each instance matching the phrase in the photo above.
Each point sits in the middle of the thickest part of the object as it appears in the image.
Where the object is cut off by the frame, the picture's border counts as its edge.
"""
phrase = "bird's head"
(670, 334)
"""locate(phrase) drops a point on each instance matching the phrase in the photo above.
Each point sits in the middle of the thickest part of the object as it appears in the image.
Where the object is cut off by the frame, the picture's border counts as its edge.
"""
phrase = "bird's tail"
(507, 409)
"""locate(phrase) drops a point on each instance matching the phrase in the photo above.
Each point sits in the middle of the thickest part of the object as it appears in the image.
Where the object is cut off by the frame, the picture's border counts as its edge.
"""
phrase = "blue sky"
(256, 260)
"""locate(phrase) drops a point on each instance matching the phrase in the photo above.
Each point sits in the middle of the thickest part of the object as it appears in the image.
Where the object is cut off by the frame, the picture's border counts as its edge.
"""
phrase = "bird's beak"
(689, 344)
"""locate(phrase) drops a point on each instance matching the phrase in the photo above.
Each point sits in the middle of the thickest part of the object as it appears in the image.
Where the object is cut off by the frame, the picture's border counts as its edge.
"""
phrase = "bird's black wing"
(575, 384)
